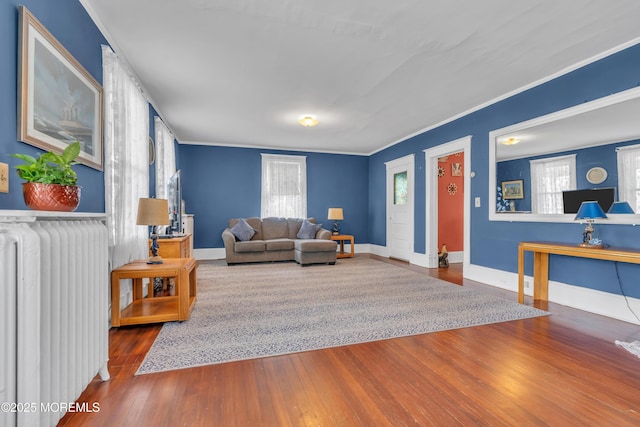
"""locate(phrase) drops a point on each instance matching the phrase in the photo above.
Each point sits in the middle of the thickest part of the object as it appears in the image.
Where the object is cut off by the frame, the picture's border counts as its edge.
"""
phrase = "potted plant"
(51, 182)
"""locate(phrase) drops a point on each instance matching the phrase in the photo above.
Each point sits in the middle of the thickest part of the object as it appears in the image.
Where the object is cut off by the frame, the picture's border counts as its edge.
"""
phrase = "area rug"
(259, 310)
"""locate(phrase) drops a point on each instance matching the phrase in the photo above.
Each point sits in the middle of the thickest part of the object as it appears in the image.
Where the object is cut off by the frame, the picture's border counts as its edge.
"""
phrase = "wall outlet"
(4, 178)
(477, 200)
(527, 284)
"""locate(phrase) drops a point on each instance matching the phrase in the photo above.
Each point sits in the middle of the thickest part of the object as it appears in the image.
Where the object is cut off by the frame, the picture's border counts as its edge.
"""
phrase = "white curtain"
(629, 176)
(549, 178)
(126, 146)
(165, 157)
(284, 186)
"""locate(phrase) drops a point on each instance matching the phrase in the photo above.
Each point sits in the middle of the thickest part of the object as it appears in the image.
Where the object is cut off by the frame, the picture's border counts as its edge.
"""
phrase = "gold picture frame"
(512, 189)
(59, 102)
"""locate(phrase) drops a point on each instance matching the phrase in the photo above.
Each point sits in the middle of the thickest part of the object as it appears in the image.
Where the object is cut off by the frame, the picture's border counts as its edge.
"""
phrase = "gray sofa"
(275, 239)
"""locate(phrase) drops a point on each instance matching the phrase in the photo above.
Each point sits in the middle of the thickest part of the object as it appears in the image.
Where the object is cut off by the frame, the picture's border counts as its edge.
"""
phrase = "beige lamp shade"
(153, 212)
(335, 214)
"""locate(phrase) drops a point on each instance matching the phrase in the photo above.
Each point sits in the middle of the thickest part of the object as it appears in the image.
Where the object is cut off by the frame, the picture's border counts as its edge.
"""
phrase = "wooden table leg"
(520, 275)
(115, 299)
(541, 276)
(181, 286)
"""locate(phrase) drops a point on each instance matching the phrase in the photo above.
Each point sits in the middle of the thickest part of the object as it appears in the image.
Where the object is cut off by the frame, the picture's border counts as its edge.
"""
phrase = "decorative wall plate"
(596, 175)
(452, 189)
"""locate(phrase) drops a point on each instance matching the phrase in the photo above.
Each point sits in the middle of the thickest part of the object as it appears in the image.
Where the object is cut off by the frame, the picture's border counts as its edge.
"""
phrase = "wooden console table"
(541, 251)
(176, 305)
(174, 247)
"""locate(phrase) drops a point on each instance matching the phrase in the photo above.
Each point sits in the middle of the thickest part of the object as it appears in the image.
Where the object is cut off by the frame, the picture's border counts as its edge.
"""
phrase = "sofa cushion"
(274, 228)
(242, 230)
(316, 245)
(279, 244)
(295, 224)
(250, 246)
(254, 222)
(294, 227)
(308, 230)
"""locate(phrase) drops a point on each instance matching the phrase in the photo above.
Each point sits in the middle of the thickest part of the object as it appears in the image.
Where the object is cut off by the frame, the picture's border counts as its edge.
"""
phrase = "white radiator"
(54, 332)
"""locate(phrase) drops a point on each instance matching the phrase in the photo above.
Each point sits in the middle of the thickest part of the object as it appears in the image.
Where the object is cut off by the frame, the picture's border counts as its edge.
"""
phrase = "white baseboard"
(456, 257)
(209, 253)
(591, 300)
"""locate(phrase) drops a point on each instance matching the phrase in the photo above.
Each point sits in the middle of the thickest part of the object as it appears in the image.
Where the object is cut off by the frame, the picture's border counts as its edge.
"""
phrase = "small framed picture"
(512, 189)
(456, 169)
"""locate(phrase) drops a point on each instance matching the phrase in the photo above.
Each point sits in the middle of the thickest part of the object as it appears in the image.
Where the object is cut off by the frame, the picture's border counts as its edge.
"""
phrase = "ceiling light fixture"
(308, 120)
(510, 141)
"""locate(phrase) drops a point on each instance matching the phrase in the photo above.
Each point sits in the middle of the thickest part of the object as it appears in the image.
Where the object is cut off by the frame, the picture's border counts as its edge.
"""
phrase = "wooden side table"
(175, 247)
(341, 238)
(167, 307)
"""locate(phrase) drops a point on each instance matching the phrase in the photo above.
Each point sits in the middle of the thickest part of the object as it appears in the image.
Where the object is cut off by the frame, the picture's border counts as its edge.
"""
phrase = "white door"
(400, 192)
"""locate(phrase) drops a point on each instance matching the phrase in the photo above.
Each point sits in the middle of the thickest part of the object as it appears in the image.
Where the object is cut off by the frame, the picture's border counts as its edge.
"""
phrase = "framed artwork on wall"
(59, 102)
(456, 169)
(512, 189)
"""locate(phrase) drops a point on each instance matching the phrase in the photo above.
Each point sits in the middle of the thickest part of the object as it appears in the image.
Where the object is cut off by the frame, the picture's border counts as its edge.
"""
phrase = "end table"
(342, 238)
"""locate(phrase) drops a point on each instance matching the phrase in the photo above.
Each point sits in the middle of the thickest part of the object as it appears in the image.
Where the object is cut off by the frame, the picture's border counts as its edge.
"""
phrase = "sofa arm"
(229, 241)
(323, 234)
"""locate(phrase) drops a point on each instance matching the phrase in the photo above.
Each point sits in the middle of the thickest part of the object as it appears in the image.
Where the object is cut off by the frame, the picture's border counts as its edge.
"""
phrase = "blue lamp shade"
(620, 208)
(590, 210)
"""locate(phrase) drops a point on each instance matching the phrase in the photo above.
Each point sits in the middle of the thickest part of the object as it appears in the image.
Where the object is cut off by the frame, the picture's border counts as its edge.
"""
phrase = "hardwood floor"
(558, 370)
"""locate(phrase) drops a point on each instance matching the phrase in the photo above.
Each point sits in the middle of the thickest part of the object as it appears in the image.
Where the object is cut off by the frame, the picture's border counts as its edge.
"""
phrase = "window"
(549, 178)
(629, 176)
(165, 157)
(126, 149)
(284, 186)
(400, 188)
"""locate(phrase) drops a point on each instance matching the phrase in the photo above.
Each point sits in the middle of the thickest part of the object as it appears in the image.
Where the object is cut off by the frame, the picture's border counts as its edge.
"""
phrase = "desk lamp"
(620, 208)
(590, 211)
(153, 212)
(336, 215)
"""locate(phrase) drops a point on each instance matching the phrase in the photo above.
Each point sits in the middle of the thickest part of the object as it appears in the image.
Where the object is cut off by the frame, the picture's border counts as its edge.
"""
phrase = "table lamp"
(336, 215)
(590, 211)
(153, 212)
(620, 208)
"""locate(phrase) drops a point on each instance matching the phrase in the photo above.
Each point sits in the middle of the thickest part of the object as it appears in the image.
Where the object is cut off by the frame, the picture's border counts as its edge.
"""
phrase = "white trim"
(456, 257)
(409, 162)
(274, 148)
(628, 147)
(209, 253)
(585, 299)
(558, 115)
(431, 198)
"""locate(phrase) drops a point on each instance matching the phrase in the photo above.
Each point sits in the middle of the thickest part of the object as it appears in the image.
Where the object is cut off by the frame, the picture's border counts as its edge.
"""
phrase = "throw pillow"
(242, 230)
(308, 230)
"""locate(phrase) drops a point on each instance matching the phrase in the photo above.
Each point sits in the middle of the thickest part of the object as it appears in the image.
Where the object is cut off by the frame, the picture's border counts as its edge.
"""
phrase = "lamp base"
(589, 245)
(155, 260)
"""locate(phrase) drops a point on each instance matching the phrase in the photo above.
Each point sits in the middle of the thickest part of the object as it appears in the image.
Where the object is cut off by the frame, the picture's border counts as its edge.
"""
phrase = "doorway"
(431, 212)
(400, 207)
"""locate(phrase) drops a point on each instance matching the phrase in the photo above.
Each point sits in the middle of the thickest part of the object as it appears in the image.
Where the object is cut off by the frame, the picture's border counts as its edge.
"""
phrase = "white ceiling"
(240, 72)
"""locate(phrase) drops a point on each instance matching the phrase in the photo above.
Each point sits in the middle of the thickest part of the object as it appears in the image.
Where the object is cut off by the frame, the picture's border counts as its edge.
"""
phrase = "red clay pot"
(51, 197)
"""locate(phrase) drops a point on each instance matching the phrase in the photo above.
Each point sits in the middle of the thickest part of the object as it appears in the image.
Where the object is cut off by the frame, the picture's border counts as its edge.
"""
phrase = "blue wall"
(494, 244)
(69, 23)
(219, 183)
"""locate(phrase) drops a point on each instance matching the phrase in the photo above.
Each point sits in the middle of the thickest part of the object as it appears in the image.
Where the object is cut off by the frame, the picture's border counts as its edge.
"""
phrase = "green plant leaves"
(50, 168)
